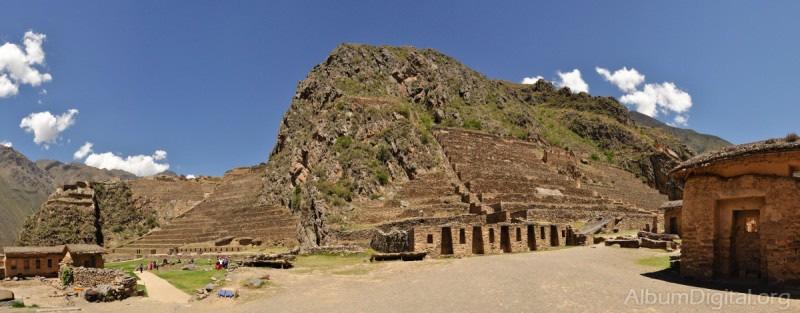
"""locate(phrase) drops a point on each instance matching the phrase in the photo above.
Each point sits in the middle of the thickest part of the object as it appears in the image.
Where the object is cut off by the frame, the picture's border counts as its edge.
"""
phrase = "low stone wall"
(103, 284)
(393, 241)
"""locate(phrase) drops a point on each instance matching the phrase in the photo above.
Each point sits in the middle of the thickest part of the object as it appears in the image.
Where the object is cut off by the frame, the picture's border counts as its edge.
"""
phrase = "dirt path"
(160, 290)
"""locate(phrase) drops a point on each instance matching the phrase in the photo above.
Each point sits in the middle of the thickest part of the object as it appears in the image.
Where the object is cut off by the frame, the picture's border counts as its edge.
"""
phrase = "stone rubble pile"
(103, 285)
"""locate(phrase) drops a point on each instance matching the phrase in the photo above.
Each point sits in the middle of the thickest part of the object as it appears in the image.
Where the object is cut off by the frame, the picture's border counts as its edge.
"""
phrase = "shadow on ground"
(673, 276)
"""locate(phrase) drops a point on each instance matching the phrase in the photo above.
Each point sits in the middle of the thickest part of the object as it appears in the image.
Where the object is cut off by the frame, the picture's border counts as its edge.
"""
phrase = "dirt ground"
(582, 279)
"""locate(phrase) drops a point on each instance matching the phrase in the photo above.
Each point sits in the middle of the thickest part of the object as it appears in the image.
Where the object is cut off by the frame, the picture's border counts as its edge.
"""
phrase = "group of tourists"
(152, 265)
(222, 263)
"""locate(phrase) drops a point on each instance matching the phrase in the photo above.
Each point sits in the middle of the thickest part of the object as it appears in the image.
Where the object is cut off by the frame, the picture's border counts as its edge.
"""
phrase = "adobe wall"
(87, 260)
(16, 265)
(706, 218)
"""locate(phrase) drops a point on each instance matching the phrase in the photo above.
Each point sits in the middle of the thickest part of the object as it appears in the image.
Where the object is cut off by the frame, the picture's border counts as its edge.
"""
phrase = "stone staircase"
(232, 209)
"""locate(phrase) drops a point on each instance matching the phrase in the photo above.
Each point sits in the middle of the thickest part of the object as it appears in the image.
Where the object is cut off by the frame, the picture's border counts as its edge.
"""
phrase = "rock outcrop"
(111, 212)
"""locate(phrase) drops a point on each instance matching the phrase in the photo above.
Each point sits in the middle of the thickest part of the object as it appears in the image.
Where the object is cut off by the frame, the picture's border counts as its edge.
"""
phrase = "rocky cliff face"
(360, 124)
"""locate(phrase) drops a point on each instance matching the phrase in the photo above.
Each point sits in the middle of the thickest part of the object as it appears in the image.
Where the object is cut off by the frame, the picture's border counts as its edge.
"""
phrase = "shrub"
(66, 276)
(595, 157)
(384, 154)
(609, 156)
(343, 142)
(472, 124)
(341, 190)
(792, 137)
(382, 176)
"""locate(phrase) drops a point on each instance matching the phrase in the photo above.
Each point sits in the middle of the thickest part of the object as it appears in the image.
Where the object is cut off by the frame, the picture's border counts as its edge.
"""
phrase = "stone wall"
(476, 239)
(707, 211)
(103, 284)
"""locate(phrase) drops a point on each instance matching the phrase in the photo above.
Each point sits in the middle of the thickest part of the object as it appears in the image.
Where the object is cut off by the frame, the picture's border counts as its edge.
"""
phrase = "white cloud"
(46, 127)
(190, 176)
(7, 87)
(679, 120)
(573, 80)
(655, 98)
(139, 165)
(625, 79)
(160, 155)
(18, 65)
(83, 151)
(531, 80)
(6, 144)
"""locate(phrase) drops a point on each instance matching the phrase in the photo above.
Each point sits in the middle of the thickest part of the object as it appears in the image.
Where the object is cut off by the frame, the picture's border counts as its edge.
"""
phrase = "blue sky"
(208, 81)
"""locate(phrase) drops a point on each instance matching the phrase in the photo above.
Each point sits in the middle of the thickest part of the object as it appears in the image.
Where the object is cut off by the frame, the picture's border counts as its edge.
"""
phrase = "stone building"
(672, 216)
(741, 213)
(90, 256)
(45, 261)
(463, 239)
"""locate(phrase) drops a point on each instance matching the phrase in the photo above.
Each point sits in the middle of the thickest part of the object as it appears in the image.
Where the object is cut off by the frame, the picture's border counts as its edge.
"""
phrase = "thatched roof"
(671, 204)
(790, 143)
(29, 251)
(85, 249)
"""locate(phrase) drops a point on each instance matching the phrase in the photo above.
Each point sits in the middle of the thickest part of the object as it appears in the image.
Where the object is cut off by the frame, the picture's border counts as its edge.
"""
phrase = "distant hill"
(699, 143)
(23, 187)
(63, 174)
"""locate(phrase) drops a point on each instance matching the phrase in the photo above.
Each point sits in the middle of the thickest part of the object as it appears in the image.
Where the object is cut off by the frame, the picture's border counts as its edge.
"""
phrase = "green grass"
(312, 262)
(660, 262)
(128, 267)
(189, 281)
(141, 289)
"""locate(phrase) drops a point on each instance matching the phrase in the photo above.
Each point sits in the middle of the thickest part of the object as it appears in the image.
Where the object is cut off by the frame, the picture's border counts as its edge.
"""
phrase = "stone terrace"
(233, 209)
(510, 174)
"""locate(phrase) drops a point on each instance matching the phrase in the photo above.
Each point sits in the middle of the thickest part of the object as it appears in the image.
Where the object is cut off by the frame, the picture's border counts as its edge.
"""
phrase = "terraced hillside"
(234, 208)
(512, 175)
(357, 147)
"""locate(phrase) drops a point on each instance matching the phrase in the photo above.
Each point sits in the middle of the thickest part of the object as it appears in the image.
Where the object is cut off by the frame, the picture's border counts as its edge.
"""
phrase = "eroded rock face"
(360, 125)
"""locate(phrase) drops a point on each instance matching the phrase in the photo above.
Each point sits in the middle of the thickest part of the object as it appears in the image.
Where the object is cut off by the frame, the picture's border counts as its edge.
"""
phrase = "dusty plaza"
(608, 279)
(390, 156)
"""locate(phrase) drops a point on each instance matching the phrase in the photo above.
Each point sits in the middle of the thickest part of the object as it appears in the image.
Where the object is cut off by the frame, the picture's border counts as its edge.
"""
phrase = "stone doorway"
(673, 225)
(553, 236)
(447, 240)
(745, 245)
(505, 239)
(477, 240)
(531, 238)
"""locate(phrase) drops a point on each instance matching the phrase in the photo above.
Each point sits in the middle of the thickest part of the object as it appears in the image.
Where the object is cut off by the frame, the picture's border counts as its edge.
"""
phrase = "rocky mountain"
(699, 143)
(64, 174)
(362, 123)
(23, 187)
